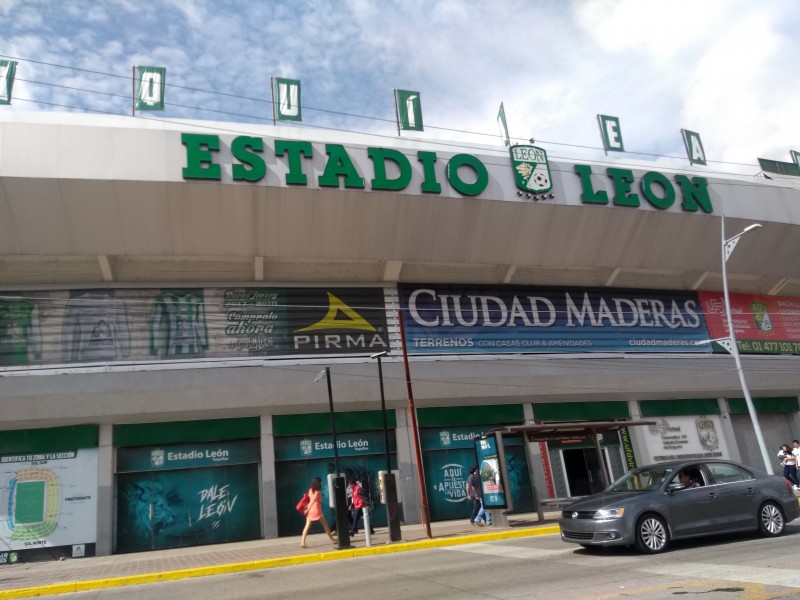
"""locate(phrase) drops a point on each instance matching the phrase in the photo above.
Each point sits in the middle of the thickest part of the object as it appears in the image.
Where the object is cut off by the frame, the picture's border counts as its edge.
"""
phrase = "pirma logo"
(340, 316)
(157, 458)
(531, 169)
(305, 447)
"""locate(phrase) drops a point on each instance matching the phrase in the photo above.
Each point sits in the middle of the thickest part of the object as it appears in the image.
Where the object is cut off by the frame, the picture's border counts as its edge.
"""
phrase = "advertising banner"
(293, 478)
(108, 325)
(494, 491)
(449, 453)
(762, 324)
(187, 507)
(48, 499)
(453, 319)
(684, 438)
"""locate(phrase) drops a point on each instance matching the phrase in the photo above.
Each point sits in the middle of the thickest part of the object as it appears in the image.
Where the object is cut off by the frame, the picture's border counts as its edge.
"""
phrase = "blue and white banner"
(448, 319)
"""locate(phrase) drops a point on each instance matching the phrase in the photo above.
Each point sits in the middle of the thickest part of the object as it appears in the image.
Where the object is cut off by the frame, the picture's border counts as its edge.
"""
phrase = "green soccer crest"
(531, 169)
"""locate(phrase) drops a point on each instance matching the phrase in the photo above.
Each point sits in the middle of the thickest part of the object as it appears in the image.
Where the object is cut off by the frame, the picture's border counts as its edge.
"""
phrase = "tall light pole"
(339, 493)
(389, 482)
(730, 344)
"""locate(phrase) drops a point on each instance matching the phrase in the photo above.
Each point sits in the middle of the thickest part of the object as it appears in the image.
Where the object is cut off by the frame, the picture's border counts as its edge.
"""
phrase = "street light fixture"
(729, 343)
(339, 493)
(389, 482)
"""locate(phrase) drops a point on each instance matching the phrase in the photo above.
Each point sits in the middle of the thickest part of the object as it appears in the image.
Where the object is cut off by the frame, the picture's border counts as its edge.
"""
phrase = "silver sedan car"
(650, 506)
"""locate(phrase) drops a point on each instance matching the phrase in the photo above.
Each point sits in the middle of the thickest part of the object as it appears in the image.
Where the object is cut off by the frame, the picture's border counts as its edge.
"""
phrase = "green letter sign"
(199, 161)
(379, 157)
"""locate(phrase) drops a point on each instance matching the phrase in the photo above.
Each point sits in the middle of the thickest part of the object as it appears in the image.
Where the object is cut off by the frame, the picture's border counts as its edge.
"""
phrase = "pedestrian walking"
(789, 462)
(484, 515)
(475, 493)
(356, 506)
(314, 511)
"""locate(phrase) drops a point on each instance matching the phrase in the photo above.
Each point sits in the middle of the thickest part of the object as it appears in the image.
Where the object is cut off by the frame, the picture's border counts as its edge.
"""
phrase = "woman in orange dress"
(314, 512)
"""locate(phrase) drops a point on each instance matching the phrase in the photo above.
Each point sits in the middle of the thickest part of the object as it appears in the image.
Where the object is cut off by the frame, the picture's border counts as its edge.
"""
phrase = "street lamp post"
(339, 493)
(389, 482)
(729, 343)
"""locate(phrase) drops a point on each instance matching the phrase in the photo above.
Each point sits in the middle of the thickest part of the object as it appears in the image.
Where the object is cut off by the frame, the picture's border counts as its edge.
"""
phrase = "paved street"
(730, 567)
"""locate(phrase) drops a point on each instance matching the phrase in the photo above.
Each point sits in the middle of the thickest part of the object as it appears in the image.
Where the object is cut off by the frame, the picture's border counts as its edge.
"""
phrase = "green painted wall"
(581, 411)
(346, 422)
(181, 432)
(679, 408)
(51, 439)
(505, 414)
(738, 406)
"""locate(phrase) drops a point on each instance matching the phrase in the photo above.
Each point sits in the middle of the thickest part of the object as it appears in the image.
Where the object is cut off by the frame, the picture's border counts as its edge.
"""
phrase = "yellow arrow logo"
(340, 316)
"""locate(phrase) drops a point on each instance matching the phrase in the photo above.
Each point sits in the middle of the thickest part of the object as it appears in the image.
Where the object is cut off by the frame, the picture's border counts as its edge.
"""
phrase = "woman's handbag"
(302, 506)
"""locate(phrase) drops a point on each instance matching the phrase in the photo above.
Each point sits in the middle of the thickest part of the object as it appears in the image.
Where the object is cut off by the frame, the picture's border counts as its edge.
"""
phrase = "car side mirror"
(674, 487)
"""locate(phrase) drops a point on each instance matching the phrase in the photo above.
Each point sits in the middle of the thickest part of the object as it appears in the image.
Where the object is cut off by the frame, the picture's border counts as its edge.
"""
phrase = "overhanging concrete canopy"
(563, 430)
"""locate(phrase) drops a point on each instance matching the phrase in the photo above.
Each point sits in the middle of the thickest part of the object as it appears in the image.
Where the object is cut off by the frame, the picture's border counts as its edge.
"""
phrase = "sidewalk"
(25, 580)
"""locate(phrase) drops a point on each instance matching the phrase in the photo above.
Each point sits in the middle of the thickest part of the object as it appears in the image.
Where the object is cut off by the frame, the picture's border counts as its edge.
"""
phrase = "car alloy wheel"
(651, 534)
(770, 520)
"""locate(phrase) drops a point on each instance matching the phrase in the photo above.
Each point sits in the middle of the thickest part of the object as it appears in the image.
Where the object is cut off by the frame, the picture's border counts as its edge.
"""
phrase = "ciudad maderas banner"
(513, 319)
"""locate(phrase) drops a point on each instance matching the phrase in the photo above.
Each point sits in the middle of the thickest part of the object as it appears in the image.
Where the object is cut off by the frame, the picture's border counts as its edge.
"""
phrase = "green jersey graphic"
(178, 324)
(19, 331)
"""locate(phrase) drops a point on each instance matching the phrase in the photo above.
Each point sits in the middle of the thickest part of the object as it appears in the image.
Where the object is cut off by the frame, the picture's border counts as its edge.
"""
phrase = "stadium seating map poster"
(762, 324)
(48, 499)
(480, 319)
(167, 324)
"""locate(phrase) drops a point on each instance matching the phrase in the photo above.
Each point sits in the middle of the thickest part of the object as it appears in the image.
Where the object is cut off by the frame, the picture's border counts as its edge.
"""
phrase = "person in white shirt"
(789, 461)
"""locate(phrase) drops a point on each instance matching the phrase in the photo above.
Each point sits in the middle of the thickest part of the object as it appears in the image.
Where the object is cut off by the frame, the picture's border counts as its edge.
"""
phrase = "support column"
(269, 492)
(407, 482)
(727, 433)
(535, 467)
(641, 452)
(105, 490)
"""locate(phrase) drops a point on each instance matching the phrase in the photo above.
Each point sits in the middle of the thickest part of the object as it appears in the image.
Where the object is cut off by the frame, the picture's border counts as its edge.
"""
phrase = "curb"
(270, 563)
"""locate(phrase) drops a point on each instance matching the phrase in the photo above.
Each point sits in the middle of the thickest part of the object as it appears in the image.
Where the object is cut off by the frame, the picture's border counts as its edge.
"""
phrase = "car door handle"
(712, 495)
(750, 491)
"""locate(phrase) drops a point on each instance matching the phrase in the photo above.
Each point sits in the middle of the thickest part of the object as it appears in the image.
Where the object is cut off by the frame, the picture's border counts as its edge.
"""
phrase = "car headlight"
(608, 513)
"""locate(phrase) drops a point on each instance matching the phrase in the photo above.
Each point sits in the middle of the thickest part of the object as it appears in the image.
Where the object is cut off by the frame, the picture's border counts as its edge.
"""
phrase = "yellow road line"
(269, 563)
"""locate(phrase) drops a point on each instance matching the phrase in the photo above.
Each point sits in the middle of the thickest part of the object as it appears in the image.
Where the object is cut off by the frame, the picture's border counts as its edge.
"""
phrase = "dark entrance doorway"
(583, 471)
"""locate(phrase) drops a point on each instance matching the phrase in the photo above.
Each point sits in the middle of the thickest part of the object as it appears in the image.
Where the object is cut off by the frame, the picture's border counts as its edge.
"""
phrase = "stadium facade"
(170, 291)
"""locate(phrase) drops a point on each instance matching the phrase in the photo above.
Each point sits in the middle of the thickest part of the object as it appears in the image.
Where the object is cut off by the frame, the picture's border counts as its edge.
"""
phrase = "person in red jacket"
(356, 506)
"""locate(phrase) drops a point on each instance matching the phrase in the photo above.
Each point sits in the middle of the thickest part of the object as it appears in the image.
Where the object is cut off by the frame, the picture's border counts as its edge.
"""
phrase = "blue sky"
(727, 69)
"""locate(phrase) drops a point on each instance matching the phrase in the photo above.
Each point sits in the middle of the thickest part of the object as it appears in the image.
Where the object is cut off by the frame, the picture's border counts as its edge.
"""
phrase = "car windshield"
(641, 480)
